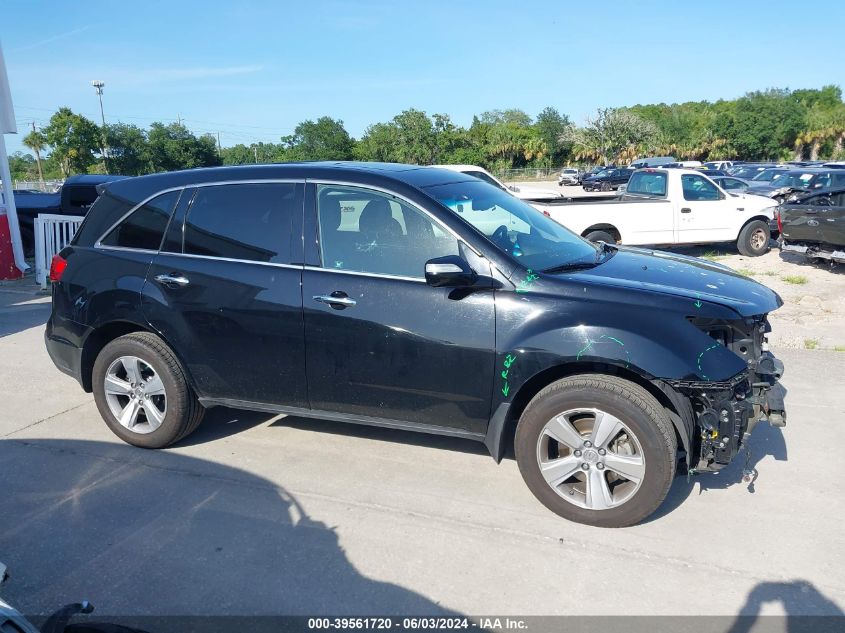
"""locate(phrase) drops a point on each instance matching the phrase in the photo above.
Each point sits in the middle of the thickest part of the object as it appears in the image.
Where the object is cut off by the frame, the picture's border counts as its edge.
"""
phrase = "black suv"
(607, 180)
(414, 298)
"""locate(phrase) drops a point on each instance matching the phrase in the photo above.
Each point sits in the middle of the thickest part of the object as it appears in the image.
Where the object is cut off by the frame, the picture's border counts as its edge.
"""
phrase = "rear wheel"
(753, 239)
(597, 449)
(605, 186)
(600, 236)
(142, 393)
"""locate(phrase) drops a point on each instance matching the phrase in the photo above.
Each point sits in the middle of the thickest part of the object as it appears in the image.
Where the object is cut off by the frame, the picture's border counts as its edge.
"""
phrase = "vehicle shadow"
(149, 534)
(766, 441)
(221, 422)
(807, 609)
(22, 311)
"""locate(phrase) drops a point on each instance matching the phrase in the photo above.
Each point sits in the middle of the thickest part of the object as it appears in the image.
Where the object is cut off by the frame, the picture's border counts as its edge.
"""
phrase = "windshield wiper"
(605, 248)
(579, 265)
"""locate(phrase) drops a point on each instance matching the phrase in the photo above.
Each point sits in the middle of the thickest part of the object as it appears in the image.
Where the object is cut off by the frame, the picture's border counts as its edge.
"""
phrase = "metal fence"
(48, 186)
(527, 173)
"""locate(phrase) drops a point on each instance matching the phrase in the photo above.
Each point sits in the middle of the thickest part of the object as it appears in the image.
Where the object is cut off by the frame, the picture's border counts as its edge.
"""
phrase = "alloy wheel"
(591, 458)
(135, 394)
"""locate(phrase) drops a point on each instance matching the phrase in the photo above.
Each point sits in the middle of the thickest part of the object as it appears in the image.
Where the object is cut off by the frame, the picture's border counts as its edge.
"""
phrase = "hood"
(682, 276)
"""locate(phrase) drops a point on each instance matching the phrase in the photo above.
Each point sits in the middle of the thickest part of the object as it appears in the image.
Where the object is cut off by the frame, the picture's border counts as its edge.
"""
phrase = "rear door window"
(144, 227)
(250, 221)
(652, 183)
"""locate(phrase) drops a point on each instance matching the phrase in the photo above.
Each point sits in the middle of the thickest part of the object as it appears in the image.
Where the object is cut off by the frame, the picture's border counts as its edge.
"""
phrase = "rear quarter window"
(652, 183)
(144, 228)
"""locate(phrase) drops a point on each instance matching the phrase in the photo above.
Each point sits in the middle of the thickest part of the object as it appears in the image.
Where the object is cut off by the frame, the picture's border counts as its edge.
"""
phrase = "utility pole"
(98, 86)
(37, 151)
(255, 151)
(219, 150)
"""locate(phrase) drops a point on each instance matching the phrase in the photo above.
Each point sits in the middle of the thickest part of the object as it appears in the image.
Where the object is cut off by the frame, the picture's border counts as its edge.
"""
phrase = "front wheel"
(605, 186)
(142, 393)
(753, 239)
(597, 449)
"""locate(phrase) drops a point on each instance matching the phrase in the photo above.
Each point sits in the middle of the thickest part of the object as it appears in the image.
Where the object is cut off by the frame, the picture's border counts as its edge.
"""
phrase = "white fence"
(52, 234)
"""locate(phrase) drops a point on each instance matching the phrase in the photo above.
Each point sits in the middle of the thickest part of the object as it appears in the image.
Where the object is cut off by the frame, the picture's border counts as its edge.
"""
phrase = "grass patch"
(769, 273)
(798, 280)
(811, 343)
(839, 348)
(746, 272)
(713, 256)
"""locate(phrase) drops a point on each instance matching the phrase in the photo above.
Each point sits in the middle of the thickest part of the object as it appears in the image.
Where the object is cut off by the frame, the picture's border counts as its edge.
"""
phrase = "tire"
(180, 413)
(600, 236)
(651, 439)
(605, 186)
(753, 239)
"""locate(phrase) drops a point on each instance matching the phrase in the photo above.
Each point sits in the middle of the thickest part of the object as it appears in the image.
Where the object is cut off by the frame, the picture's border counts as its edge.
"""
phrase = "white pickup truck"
(671, 206)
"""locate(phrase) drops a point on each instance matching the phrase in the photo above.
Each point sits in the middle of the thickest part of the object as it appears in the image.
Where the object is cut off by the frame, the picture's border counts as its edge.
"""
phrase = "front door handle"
(338, 300)
(172, 279)
(686, 210)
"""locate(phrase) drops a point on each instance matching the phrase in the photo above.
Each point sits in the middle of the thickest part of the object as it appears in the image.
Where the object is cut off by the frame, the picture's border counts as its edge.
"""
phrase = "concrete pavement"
(262, 514)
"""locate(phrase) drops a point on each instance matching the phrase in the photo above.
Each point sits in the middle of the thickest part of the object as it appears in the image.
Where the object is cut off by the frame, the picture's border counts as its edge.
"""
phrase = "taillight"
(57, 267)
(780, 224)
(547, 214)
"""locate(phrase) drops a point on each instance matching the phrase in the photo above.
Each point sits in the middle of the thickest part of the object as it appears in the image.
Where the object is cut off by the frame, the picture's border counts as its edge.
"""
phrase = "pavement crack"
(47, 419)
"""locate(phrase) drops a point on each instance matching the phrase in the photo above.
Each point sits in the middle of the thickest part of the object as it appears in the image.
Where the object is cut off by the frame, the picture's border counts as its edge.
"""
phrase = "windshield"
(793, 179)
(514, 227)
(767, 175)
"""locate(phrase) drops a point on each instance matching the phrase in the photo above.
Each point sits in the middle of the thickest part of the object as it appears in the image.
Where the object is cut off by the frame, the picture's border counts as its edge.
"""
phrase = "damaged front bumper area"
(726, 412)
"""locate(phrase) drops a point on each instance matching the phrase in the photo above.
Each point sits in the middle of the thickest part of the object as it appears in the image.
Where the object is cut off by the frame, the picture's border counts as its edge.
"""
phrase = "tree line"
(775, 124)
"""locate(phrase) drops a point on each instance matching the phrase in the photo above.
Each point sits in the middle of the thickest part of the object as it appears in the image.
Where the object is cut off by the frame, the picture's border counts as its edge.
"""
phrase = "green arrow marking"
(506, 390)
(697, 303)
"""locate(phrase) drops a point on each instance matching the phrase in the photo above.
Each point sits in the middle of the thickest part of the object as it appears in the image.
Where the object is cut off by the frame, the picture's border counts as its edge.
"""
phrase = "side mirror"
(450, 271)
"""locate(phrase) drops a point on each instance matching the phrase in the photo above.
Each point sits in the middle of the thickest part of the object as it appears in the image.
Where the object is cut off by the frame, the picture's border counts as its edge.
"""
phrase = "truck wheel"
(142, 393)
(597, 449)
(753, 239)
(600, 236)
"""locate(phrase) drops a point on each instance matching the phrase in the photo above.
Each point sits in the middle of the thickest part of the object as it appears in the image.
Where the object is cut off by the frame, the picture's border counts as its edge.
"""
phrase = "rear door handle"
(172, 279)
(337, 300)
(686, 210)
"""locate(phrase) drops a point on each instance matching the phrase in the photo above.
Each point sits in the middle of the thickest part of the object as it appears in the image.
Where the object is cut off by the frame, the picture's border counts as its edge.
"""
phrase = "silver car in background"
(568, 176)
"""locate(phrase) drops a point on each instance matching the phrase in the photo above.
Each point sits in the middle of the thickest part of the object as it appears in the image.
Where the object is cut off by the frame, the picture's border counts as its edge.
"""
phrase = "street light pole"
(98, 86)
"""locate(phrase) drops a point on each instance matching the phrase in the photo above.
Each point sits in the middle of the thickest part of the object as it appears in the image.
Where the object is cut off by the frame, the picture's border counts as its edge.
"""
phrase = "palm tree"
(37, 142)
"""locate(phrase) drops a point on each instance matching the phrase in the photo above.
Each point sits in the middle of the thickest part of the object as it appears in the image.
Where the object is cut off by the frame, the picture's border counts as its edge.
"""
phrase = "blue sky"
(252, 70)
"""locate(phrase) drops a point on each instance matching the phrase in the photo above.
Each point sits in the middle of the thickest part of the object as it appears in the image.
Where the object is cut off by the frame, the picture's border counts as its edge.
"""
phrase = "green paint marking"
(510, 359)
(698, 304)
(525, 284)
(602, 339)
(700, 356)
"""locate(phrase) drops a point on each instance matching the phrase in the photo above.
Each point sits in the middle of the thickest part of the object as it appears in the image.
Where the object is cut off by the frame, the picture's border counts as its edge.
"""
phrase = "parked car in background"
(671, 206)
(814, 225)
(569, 176)
(719, 165)
(652, 161)
(75, 197)
(747, 171)
(607, 180)
(765, 176)
(523, 192)
(729, 183)
(790, 182)
(413, 298)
